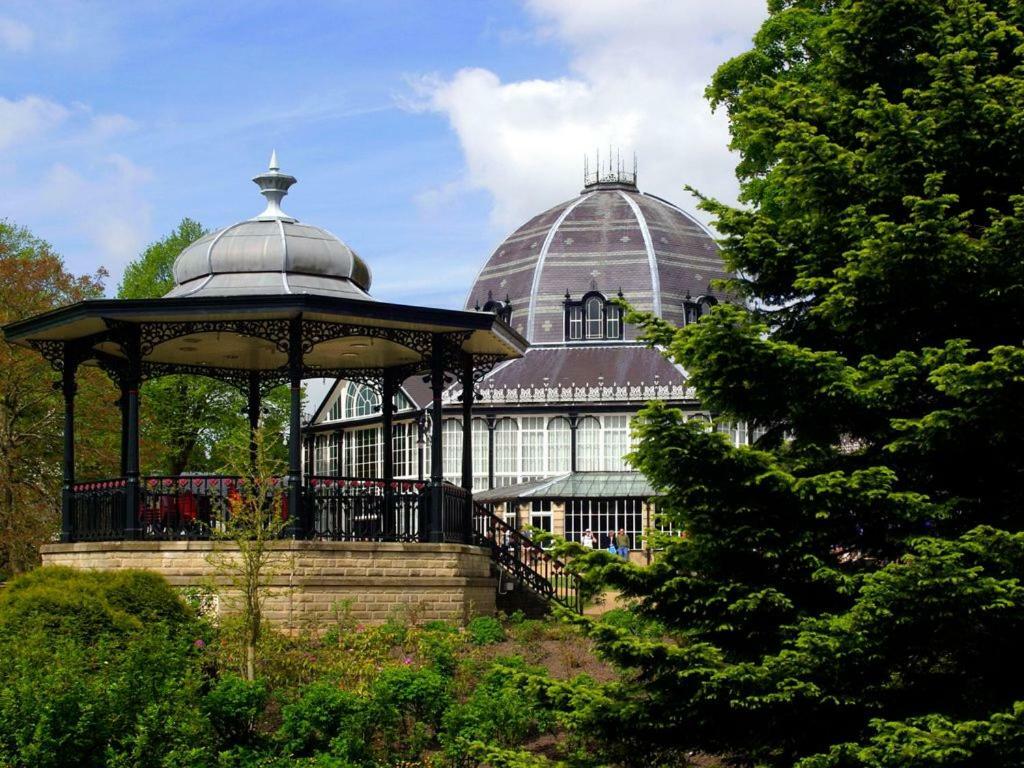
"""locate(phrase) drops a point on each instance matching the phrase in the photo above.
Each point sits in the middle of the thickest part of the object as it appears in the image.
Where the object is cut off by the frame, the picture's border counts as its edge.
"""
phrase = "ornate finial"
(614, 172)
(274, 186)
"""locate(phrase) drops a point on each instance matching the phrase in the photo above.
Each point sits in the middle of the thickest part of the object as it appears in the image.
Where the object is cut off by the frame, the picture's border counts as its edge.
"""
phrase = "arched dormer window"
(502, 309)
(592, 317)
(695, 309)
(360, 400)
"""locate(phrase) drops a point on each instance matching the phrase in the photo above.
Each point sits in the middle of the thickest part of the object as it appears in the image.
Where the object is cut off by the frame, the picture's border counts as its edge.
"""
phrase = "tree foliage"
(33, 279)
(186, 420)
(848, 590)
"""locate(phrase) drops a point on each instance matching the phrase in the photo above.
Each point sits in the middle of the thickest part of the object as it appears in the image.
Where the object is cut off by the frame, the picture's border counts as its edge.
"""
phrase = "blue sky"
(420, 132)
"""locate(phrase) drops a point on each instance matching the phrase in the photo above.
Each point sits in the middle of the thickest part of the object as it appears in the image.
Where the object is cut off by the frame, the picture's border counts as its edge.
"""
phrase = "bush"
(98, 668)
(233, 706)
(89, 604)
(419, 693)
(441, 649)
(485, 630)
(497, 712)
(326, 717)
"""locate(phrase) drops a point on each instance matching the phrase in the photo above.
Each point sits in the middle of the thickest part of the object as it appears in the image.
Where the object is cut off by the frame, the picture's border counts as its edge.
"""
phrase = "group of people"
(616, 543)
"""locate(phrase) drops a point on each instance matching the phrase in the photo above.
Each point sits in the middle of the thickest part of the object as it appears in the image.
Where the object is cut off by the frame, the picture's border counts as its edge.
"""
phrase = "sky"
(421, 133)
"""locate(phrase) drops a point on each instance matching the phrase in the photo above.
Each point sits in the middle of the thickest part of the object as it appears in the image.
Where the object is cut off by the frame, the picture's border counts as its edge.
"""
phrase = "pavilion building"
(550, 429)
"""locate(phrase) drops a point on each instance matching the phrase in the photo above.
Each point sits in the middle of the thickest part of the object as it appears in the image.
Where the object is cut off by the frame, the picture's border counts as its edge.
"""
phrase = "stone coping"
(399, 583)
(297, 545)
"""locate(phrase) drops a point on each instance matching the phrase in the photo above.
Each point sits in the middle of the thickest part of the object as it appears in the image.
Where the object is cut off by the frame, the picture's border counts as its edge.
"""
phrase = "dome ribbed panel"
(600, 244)
(687, 257)
(511, 268)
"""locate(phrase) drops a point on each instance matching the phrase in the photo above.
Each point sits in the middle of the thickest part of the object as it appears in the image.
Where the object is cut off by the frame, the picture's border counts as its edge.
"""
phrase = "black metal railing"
(526, 561)
(98, 510)
(334, 508)
(362, 509)
(184, 507)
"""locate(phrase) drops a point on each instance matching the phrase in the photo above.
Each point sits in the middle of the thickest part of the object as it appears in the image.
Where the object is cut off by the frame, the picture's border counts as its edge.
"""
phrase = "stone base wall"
(313, 581)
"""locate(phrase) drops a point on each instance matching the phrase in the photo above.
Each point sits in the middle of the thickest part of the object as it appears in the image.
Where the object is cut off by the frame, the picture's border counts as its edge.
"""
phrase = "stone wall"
(313, 580)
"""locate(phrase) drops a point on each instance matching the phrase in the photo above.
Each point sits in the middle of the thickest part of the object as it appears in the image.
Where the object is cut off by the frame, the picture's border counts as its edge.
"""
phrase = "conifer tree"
(848, 590)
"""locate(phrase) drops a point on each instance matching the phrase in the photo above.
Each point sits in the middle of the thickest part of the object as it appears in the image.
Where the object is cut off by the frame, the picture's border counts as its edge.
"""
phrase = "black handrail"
(526, 561)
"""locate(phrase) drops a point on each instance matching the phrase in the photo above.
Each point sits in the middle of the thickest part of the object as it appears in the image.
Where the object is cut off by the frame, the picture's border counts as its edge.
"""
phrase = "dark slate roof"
(586, 365)
(576, 485)
(611, 237)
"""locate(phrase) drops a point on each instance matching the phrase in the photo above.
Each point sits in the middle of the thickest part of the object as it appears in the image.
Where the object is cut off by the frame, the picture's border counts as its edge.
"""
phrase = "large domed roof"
(272, 253)
(611, 237)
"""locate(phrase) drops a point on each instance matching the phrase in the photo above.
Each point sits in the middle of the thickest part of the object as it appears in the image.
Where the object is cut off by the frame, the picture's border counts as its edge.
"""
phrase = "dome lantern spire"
(274, 186)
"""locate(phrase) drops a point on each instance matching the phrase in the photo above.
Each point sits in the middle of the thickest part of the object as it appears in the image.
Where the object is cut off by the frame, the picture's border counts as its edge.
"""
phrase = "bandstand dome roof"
(610, 237)
(272, 253)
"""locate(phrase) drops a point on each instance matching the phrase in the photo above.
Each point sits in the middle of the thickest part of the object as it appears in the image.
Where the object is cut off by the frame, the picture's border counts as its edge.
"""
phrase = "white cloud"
(102, 201)
(28, 118)
(70, 184)
(15, 36)
(639, 69)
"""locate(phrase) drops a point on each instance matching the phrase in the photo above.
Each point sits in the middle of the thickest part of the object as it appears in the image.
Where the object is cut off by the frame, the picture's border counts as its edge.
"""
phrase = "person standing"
(587, 539)
(622, 544)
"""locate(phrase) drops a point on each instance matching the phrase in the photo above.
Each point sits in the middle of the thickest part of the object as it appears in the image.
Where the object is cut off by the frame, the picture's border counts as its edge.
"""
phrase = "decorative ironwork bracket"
(154, 334)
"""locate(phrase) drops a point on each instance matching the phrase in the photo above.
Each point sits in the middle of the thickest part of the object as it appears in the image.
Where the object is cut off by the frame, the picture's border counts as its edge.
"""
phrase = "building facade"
(551, 430)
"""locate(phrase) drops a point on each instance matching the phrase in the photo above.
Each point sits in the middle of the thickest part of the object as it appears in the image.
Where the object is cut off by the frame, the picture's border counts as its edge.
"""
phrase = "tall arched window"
(559, 445)
(595, 317)
(451, 446)
(532, 440)
(506, 452)
(616, 443)
(360, 400)
(588, 445)
(481, 455)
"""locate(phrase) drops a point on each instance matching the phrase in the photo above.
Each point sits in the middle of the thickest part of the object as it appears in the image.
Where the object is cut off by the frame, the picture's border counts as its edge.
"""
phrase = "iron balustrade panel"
(525, 560)
(185, 507)
(455, 514)
(98, 510)
(363, 509)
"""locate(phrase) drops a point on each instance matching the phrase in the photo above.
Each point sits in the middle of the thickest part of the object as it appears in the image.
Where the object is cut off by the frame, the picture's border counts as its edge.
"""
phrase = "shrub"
(485, 630)
(98, 668)
(440, 625)
(89, 604)
(497, 712)
(441, 649)
(419, 693)
(233, 706)
(326, 717)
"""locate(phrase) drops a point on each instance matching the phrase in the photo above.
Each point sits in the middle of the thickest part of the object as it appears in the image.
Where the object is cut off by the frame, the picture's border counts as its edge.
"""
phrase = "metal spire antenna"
(616, 173)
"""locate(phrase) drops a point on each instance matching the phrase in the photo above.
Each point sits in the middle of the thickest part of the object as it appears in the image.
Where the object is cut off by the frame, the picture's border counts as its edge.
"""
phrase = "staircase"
(526, 562)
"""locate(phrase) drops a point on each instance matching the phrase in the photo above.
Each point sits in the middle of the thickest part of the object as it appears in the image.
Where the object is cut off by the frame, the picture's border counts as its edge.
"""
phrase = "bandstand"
(262, 303)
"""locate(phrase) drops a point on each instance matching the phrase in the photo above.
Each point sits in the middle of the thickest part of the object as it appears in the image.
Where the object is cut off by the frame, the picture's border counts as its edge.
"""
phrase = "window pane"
(481, 465)
(506, 452)
(616, 442)
(559, 445)
(588, 445)
(366, 452)
(613, 315)
(451, 450)
(533, 446)
(594, 318)
(575, 323)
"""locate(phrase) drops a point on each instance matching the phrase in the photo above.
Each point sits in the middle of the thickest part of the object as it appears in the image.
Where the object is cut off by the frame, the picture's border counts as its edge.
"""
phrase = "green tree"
(848, 591)
(33, 279)
(185, 419)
